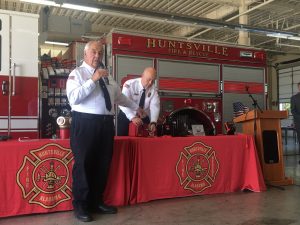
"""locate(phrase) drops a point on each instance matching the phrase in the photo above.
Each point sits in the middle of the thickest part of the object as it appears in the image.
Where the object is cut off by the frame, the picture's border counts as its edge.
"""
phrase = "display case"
(54, 102)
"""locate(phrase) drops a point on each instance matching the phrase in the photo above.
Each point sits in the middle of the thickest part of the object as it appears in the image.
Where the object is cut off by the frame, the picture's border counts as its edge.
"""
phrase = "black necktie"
(106, 80)
(142, 100)
(106, 94)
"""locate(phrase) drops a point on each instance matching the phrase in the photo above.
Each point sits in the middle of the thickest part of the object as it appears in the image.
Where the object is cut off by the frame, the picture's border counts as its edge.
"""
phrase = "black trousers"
(123, 124)
(298, 137)
(92, 138)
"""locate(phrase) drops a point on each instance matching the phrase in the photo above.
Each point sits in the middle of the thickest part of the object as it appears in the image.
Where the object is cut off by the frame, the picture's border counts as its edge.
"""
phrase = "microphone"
(102, 66)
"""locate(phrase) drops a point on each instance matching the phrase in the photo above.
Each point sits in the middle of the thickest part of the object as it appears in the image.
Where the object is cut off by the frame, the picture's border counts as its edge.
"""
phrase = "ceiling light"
(280, 35)
(92, 37)
(43, 2)
(80, 7)
(284, 36)
(294, 38)
(56, 43)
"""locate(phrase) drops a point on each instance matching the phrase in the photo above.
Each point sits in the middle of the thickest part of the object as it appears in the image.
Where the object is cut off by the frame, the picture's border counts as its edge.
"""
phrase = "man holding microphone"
(91, 94)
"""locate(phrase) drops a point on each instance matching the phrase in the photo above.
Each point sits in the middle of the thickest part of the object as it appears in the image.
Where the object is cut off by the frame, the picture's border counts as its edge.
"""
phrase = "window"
(285, 106)
(288, 79)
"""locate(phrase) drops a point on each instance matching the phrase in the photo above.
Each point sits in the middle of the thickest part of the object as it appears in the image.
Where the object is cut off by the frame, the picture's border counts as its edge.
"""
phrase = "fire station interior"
(264, 75)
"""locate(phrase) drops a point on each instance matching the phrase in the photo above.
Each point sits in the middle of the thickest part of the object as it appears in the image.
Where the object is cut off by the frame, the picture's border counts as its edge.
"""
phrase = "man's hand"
(137, 121)
(99, 73)
(152, 129)
(141, 113)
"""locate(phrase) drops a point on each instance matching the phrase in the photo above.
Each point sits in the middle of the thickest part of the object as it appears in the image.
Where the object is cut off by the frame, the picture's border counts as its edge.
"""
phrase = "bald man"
(134, 89)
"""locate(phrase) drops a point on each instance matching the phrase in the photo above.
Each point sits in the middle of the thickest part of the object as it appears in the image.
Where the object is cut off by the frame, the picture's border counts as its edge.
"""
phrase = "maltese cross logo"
(44, 177)
(197, 167)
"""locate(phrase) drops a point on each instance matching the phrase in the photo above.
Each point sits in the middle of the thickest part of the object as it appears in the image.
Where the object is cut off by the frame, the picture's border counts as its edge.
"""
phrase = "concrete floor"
(276, 206)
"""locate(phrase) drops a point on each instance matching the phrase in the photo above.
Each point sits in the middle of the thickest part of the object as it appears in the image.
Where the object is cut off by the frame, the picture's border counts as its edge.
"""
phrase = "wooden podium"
(268, 142)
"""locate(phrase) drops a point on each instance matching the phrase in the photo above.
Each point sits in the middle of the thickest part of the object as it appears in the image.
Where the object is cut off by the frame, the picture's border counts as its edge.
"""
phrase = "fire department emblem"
(44, 177)
(197, 167)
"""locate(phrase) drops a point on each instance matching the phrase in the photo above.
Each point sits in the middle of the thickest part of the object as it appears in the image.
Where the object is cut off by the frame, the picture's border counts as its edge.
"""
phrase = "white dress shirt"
(86, 96)
(133, 89)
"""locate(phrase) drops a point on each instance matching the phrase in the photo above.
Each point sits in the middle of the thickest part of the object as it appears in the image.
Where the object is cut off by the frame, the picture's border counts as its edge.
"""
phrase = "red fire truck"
(19, 75)
(197, 81)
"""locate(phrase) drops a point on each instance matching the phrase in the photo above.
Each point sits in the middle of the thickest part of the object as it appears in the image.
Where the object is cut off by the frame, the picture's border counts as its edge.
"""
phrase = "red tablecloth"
(155, 168)
(36, 174)
(28, 182)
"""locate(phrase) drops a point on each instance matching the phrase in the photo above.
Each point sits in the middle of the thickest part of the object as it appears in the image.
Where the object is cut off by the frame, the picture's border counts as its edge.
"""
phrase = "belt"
(91, 116)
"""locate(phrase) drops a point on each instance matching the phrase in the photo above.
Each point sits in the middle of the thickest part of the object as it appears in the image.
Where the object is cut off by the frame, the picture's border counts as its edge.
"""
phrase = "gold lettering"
(50, 198)
(184, 48)
(188, 45)
(150, 43)
(225, 51)
(209, 49)
(160, 43)
(50, 152)
(58, 152)
(198, 185)
(172, 44)
(197, 46)
(180, 44)
(217, 50)
(172, 51)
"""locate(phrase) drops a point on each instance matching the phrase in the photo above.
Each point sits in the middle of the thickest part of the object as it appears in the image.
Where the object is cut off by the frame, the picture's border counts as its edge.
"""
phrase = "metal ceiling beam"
(174, 18)
(234, 17)
(250, 10)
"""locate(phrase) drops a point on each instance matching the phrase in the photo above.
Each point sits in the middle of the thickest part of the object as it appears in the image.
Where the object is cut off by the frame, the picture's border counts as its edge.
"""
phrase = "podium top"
(266, 114)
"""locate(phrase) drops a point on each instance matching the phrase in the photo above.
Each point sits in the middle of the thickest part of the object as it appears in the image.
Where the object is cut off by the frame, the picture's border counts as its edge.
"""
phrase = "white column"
(244, 37)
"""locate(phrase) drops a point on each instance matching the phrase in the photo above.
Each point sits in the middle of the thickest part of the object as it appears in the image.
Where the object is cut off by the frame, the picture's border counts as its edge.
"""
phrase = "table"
(157, 168)
(36, 174)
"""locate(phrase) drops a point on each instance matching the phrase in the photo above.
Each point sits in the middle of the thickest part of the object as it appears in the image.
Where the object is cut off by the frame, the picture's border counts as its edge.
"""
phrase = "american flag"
(239, 109)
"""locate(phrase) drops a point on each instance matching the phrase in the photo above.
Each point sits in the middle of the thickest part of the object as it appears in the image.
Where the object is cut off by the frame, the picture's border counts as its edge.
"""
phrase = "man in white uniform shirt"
(92, 130)
(133, 89)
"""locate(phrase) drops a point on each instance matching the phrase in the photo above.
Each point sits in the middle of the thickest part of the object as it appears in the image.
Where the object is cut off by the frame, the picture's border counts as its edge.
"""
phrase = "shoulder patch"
(71, 78)
(126, 85)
